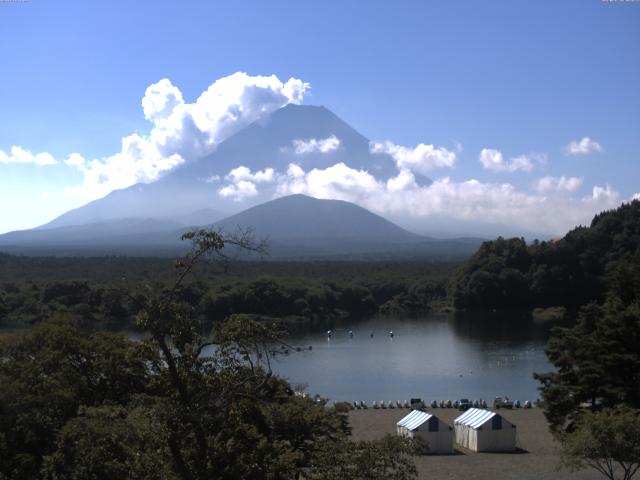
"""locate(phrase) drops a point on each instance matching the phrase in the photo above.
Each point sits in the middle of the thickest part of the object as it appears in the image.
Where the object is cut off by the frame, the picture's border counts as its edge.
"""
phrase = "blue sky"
(518, 77)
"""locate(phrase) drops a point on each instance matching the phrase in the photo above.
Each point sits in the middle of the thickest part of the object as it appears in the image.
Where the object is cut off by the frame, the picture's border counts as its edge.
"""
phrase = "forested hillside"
(89, 290)
(586, 265)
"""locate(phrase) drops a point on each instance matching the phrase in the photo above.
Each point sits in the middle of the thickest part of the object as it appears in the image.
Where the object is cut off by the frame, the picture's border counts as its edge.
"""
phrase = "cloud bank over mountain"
(557, 184)
(548, 209)
(322, 164)
(184, 132)
(314, 145)
(422, 158)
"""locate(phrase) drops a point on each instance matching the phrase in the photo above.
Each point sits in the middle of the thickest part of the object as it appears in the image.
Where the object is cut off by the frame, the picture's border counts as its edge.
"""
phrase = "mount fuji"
(134, 219)
(267, 143)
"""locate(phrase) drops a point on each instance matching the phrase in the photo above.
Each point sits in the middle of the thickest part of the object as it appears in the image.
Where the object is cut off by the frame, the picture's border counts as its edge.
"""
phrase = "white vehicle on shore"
(502, 402)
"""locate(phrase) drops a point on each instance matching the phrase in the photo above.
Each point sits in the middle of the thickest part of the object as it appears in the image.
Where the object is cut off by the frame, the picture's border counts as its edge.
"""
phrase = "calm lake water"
(437, 357)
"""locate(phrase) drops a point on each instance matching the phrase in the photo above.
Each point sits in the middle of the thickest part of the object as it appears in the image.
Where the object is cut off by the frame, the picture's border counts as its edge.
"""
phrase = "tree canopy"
(305, 295)
(181, 404)
(608, 442)
(597, 364)
(584, 266)
(592, 398)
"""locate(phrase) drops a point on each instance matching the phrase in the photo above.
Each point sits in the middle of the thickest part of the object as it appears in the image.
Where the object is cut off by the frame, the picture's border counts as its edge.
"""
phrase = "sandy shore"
(537, 459)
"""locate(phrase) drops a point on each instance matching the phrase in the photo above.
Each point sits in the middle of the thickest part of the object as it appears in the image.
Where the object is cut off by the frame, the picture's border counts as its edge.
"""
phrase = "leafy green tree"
(182, 404)
(225, 413)
(110, 442)
(388, 458)
(47, 374)
(586, 265)
(607, 441)
(597, 364)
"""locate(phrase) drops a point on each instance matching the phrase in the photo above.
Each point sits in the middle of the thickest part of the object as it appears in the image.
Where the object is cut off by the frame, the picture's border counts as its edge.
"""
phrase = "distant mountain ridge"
(296, 226)
(296, 217)
(148, 219)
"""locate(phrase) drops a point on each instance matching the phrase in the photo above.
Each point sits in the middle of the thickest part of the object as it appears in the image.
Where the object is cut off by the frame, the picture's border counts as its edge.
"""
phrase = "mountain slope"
(296, 226)
(268, 143)
(298, 217)
(99, 233)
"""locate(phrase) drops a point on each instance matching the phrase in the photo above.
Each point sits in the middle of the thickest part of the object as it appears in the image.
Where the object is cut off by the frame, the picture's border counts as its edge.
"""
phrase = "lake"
(438, 357)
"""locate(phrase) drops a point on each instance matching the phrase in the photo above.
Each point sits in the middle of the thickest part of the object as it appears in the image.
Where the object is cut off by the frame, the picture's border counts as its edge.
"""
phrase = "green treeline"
(587, 265)
(317, 294)
(595, 383)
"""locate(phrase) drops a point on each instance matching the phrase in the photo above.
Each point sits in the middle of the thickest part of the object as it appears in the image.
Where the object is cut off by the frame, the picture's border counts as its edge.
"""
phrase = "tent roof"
(414, 419)
(474, 418)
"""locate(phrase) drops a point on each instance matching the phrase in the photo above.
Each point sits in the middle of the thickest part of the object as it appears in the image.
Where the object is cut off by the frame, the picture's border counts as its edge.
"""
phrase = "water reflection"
(513, 326)
(436, 357)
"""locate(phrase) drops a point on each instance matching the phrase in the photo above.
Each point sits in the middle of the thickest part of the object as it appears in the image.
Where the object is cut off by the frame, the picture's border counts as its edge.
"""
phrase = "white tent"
(484, 431)
(437, 434)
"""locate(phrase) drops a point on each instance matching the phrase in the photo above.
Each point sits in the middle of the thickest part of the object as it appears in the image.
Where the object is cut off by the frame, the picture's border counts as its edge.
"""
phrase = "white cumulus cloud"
(160, 100)
(314, 145)
(584, 146)
(422, 158)
(602, 193)
(338, 182)
(553, 212)
(403, 181)
(244, 173)
(492, 159)
(558, 184)
(20, 155)
(183, 132)
(242, 183)
(636, 196)
(239, 191)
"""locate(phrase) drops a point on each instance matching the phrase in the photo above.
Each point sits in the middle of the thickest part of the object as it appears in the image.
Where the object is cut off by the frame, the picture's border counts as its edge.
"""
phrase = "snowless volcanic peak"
(308, 136)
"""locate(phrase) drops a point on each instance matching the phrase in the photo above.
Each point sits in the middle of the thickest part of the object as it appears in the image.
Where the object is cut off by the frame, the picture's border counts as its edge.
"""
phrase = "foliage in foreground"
(179, 405)
(597, 364)
(607, 441)
(388, 458)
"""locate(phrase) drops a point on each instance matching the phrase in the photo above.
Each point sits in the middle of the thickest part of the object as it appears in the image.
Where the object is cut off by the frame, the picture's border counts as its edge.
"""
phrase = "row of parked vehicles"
(465, 403)
(462, 404)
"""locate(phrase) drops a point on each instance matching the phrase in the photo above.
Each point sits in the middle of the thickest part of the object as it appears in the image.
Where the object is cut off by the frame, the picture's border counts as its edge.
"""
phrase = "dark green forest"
(594, 273)
(304, 294)
(586, 265)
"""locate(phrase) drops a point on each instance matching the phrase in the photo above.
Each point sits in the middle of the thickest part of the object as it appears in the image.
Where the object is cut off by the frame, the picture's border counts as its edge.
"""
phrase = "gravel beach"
(537, 458)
